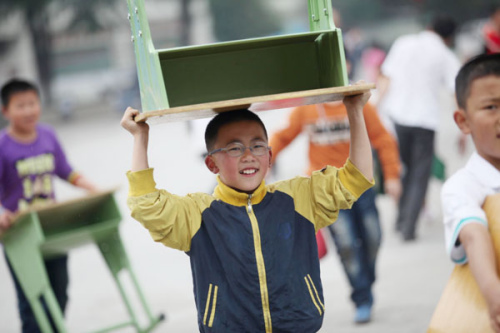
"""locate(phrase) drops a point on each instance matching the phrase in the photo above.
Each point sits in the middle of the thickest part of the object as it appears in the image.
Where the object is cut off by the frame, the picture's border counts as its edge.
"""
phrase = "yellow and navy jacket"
(254, 258)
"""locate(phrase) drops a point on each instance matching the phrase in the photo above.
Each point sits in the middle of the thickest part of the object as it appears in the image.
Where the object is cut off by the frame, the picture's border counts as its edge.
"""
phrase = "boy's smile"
(243, 173)
(482, 117)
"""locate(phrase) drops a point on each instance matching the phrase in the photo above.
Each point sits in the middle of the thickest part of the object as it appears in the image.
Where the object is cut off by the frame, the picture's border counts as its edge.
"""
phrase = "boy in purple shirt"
(30, 157)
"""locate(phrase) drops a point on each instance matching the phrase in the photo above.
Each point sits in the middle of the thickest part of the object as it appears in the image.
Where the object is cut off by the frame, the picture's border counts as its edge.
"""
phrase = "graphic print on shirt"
(35, 173)
(328, 131)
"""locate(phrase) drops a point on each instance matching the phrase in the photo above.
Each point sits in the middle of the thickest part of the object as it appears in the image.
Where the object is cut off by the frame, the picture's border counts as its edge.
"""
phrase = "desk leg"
(116, 258)
(22, 246)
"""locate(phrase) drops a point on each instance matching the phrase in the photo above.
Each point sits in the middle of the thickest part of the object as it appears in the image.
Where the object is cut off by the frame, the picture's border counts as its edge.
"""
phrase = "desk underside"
(258, 103)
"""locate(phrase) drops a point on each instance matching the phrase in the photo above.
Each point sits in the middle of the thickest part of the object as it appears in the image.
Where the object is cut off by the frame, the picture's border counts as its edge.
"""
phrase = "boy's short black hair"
(14, 86)
(477, 67)
(444, 25)
(225, 118)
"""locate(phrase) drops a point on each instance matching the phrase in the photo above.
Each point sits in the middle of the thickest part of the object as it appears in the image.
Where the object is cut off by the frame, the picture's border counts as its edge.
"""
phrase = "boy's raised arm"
(360, 152)
(140, 132)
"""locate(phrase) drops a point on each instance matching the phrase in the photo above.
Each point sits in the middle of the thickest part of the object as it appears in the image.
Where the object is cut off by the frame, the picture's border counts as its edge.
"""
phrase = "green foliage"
(360, 12)
(236, 19)
(462, 10)
(353, 12)
(8, 6)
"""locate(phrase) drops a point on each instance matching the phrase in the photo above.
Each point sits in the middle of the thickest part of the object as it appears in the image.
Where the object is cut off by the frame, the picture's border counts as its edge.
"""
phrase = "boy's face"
(481, 118)
(23, 112)
(243, 173)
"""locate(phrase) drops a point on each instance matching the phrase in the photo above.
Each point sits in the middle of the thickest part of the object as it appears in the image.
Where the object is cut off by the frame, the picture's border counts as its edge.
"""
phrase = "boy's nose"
(248, 153)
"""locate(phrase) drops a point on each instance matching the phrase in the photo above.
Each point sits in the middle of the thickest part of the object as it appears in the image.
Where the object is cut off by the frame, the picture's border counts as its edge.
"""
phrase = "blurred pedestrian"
(357, 233)
(30, 158)
(491, 31)
(418, 67)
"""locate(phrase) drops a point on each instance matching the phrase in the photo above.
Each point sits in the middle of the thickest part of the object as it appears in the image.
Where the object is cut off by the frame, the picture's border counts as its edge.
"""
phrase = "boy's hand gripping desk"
(462, 307)
(55, 229)
(259, 74)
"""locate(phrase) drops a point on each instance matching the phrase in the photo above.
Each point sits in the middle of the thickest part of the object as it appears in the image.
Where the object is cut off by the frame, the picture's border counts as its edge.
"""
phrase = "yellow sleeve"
(320, 197)
(170, 219)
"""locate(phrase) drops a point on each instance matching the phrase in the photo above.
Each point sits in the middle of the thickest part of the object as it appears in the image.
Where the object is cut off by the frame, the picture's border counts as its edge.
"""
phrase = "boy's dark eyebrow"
(490, 99)
(258, 138)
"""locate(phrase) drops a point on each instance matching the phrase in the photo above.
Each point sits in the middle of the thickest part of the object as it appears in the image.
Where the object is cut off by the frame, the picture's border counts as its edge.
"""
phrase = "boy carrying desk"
(467, 239)
(30, 158)
(252, 246)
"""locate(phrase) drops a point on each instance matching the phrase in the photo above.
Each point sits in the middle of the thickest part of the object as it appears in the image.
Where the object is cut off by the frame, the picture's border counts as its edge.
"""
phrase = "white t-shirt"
(419, 67)
(462, 198)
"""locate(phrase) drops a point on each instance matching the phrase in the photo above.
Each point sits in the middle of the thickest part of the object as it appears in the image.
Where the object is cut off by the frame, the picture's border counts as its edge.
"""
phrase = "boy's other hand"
(131, 125)
(6, 218)
(493, 300)
(393, 188)
(356, 102)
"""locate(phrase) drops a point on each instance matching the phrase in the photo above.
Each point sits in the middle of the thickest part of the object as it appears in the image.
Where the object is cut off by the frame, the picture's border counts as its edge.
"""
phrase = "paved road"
(410, 276)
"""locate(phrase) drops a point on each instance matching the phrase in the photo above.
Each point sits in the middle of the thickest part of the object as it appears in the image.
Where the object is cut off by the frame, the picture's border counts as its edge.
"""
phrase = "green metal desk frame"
(56, 229)
(197, 75)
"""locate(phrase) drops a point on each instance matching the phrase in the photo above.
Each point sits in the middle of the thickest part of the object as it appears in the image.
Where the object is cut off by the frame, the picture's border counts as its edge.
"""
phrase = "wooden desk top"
(64, 210)
(259, 103)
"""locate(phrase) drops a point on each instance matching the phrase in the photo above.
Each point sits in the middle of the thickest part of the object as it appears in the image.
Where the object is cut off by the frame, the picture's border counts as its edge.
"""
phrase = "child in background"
(30, 157)
(463, 194)
(252, 246)
(357, 233)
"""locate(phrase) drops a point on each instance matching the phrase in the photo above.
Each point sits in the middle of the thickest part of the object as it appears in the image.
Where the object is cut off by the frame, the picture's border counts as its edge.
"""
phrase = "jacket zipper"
(261, 269)
(249, 207)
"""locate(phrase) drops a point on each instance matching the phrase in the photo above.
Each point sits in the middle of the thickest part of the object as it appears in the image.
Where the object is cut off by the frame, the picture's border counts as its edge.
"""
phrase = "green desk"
(56, 229)
(265, 73)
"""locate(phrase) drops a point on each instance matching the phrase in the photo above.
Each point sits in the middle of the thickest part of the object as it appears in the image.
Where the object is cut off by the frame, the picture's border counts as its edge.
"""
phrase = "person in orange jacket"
(357, 233)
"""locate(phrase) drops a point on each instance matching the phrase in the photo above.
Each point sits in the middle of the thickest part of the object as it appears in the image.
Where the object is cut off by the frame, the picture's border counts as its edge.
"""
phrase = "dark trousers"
(357, 236)
(416, 148)
(57, 271)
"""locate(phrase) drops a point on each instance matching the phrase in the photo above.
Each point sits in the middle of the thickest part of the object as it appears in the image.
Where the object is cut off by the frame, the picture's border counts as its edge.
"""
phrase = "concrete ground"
(411, 276)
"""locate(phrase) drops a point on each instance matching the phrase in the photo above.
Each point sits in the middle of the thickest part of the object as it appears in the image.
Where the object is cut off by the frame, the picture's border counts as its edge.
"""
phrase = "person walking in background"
(357, 233)
(491, 31)
(418, 67)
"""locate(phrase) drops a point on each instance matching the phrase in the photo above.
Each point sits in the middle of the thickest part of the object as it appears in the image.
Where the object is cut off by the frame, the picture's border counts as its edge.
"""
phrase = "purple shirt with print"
(27, 169)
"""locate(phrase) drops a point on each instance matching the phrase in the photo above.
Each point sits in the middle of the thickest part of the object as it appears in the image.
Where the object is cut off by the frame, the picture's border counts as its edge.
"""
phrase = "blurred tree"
(185, 22)
(359, 12)
(236, 19)
(37, 13)
(462, 10)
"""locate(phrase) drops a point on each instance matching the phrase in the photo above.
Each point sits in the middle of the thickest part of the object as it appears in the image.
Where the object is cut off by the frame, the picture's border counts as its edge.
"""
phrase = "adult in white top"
(462, 197)
(418, 67)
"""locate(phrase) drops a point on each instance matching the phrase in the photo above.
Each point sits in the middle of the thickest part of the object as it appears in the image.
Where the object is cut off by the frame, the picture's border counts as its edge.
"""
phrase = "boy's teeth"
(247, 172)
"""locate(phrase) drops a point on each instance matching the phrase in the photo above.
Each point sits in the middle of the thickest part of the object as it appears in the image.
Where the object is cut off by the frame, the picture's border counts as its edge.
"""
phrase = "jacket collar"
(235, 198)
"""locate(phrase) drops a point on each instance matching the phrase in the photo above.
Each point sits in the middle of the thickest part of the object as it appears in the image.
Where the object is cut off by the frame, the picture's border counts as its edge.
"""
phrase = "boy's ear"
(460, 117)
(210, 163)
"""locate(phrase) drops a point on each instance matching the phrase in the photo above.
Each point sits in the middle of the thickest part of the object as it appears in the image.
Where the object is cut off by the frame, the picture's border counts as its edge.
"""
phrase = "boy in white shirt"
(467, 237)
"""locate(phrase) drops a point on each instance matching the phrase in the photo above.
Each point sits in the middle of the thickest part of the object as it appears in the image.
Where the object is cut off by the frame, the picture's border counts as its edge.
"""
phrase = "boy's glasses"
(237, 149)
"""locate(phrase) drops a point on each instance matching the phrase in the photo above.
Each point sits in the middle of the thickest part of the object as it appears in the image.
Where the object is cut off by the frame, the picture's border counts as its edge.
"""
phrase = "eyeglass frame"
(251, 148)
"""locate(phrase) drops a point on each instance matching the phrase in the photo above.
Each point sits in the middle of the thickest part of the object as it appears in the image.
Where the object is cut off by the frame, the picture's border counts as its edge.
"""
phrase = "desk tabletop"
(59, 211)
(257, 103)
